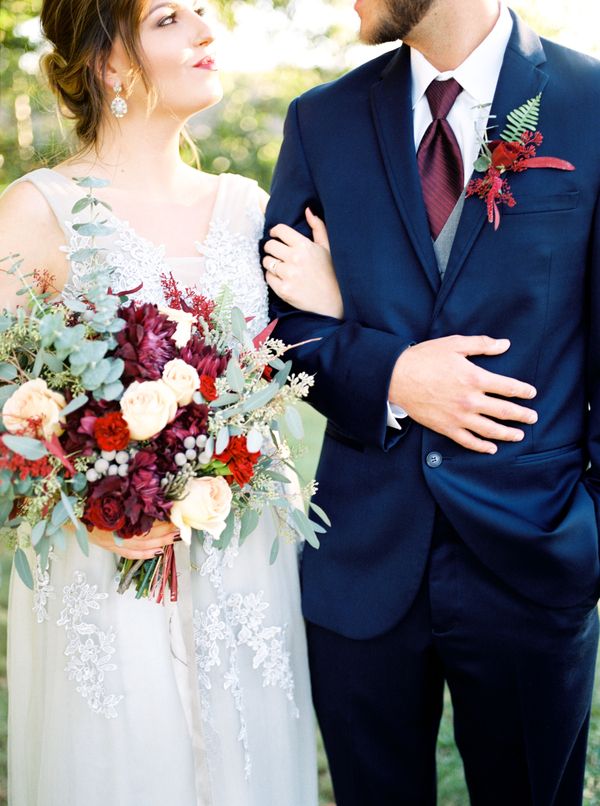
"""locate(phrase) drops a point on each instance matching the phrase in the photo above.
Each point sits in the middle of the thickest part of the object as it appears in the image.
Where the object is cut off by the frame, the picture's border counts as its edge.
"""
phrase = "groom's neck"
(452, 29)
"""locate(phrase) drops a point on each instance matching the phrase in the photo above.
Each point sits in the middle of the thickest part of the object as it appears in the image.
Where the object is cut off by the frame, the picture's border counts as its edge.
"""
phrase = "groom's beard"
(396, 19)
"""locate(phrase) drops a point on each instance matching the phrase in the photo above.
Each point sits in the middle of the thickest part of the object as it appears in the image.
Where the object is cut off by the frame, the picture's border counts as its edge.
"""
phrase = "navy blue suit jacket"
(529, 512)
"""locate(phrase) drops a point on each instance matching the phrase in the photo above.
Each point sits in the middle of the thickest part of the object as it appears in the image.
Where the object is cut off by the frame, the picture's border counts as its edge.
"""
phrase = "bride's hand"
(300, 271)
(144, 547)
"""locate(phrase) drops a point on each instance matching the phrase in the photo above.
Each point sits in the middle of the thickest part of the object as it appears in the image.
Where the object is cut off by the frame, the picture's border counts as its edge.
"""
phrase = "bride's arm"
(300, 270)
(28, 228)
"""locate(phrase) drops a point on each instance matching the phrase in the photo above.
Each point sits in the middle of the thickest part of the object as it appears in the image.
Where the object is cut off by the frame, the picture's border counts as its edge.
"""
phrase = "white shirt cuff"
(395, 413)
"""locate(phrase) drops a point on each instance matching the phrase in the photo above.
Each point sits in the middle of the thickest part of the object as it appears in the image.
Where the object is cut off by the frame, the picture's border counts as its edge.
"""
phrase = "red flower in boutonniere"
(516, 152)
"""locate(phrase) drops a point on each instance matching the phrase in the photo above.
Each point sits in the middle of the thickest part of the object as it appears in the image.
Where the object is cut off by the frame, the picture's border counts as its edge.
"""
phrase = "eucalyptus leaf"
(274, 551)
(283, 374)
(5, 393)
(82, 204)
(83, 255)
(38, 532)
(222, 439)
(274, 476)
(110, 391)
(59, 539)
(93, 377)
(118, 540)
(277, 363)
(6, 506)
(320, 512)
(68, 503)
(79, 482)
(117, 367)
(82, 538)
(23, 569)
(226, 399)
(238, 324)
(90, 182)
(482, 163)
(8, 372)
(227, 533)
(254, 440)
(294, 422)
(305, 527)
(92, 229)
(38, 365)
(75, 404)
(248, 524)
(43, 551)
(235, 377)
(28, 448)
(59, 515)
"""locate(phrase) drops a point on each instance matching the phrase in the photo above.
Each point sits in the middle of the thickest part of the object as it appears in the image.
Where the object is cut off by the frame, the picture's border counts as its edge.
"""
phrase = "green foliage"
(523, 119)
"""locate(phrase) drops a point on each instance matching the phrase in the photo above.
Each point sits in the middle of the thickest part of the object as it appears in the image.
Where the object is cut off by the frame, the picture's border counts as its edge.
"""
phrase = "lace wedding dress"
(205, 702)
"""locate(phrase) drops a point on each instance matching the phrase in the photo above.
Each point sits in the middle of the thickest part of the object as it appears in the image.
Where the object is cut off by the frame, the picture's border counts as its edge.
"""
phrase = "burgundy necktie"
(439, 158)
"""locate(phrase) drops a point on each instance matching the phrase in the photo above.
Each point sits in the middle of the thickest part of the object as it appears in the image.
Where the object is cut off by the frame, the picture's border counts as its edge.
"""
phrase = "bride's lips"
(206, 63)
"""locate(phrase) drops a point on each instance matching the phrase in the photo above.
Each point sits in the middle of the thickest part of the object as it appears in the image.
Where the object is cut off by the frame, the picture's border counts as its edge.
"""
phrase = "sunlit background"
(268, 53)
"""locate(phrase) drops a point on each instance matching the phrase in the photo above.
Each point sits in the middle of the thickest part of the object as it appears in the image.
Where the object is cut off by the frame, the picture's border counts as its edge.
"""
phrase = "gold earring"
(118, 105)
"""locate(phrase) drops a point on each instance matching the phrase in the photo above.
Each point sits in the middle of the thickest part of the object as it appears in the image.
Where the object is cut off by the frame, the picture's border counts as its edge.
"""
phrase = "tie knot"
(441, 96)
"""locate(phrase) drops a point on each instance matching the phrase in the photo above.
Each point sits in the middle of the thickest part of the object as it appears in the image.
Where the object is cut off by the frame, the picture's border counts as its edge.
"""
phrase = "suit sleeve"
(593, 366)
(352, 364)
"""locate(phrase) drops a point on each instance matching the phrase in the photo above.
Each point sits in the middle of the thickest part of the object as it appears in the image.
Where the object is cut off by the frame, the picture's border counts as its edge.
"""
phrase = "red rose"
(112, 432)
(106, 512)
(505, 154)
(208, 389)
(239, 460)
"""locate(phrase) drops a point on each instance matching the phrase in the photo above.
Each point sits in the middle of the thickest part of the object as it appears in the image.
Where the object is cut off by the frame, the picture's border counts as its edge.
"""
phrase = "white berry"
(122, 470)
(122, 458)
(201, 441)
(108, 455)
(113, 470)
(189, 443)
(101, 466)
(180, 459)
(204, 458)
(92, 475)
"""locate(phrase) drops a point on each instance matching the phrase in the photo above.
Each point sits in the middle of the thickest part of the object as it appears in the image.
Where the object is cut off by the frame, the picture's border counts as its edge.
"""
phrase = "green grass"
(452, 791)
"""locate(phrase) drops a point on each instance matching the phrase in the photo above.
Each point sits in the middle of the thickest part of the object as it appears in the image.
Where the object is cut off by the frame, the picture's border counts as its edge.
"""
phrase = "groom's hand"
(437, 385)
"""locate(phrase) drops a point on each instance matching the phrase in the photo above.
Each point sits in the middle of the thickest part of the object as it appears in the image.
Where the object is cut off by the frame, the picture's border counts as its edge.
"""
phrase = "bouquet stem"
(152, 578)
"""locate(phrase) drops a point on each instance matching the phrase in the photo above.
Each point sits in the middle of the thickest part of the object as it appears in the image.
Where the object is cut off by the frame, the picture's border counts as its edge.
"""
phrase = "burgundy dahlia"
(204, 357)
(146, 343)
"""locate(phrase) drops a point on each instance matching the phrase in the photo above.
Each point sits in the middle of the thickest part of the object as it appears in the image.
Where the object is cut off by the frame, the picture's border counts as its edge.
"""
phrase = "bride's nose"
(204, 35)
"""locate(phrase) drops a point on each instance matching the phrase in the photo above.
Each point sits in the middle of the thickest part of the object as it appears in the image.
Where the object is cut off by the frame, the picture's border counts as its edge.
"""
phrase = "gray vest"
(443, 245)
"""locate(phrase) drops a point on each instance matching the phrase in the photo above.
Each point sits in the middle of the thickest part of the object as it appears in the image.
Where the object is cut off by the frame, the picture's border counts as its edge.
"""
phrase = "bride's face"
(178, 52)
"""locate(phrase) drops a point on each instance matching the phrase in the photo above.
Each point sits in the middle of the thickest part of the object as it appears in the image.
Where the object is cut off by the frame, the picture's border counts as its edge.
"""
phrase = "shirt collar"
(478, 74)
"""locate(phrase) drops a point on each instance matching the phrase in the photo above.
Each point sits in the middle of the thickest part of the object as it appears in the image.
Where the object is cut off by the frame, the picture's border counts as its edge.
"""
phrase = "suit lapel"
(391, 102)
(519, 80)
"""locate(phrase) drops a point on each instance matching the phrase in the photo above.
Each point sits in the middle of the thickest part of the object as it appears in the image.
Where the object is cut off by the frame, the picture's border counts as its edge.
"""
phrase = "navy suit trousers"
(520, 676)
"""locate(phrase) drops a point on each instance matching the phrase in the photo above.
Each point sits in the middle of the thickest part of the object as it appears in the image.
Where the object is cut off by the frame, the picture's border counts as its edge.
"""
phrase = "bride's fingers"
(319, 230)
(288, 235)
(276, 249)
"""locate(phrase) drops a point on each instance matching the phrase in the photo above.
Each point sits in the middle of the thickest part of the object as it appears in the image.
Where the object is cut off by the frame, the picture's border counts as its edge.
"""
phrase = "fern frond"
(523, 119)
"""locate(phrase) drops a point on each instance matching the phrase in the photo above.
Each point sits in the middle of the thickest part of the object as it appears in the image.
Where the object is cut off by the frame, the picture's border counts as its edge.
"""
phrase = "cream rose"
(206, 505)
(147, 407)
(182, 379)
(184, 321)
(34, 401)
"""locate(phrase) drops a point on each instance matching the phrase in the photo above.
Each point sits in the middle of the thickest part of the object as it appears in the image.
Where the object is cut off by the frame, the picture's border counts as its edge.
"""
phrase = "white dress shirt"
(478, 76)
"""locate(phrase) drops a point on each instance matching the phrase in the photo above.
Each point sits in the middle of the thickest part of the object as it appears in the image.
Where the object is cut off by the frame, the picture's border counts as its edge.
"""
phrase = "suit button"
(434, 459)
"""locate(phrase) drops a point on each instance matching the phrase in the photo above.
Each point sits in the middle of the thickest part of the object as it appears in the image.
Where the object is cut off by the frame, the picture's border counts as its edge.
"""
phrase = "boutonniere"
(515, 151)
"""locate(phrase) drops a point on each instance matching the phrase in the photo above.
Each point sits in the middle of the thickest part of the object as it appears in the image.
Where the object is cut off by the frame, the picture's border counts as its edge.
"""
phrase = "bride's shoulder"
(24, 203)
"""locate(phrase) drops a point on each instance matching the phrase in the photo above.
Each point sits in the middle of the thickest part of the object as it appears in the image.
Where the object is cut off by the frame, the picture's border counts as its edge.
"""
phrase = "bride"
(205, 702)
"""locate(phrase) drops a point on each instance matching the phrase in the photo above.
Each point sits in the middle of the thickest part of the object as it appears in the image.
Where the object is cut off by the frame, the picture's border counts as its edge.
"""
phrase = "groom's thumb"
(319, 230)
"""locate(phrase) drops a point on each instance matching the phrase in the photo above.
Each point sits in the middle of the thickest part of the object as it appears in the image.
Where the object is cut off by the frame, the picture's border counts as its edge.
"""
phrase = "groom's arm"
(353, 364)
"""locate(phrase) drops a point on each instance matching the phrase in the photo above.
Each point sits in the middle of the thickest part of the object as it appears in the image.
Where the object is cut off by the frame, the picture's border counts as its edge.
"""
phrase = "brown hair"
(82, 33)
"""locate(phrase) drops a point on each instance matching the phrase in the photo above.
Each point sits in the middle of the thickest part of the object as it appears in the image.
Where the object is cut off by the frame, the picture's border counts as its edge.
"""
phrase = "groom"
(461, 462)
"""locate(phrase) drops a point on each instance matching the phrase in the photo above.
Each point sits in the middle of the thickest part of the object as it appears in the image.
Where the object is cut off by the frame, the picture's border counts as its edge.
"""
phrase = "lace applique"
(43, 591)
(232, 259)
(89, 649)
(234, 622)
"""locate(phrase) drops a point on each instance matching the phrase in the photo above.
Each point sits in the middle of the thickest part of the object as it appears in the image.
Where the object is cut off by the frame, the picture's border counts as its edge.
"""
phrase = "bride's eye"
(168, 20)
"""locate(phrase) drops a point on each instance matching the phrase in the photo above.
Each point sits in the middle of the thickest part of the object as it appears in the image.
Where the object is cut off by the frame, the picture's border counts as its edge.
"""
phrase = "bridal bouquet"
(116, 414)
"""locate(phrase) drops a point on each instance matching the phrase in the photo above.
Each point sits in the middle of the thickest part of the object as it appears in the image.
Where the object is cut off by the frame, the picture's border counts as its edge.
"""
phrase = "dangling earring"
(118, 105)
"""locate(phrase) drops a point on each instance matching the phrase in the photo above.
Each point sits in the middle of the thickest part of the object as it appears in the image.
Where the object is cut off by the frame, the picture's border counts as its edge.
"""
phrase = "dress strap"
(238, 204)
(60, 193)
